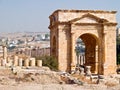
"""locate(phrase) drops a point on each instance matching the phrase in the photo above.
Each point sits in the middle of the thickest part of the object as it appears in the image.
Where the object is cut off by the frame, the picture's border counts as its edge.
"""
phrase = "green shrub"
(118, 50)
(49, 61)
(118, 59)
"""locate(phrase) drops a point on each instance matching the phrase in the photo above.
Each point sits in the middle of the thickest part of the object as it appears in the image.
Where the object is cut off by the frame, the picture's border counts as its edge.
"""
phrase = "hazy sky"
(32, 15)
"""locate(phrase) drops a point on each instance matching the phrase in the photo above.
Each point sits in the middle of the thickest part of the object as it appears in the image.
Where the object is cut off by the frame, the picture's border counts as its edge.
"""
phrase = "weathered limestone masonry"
(8, 61)
(21, 62)
(4, 54)
(97, 29)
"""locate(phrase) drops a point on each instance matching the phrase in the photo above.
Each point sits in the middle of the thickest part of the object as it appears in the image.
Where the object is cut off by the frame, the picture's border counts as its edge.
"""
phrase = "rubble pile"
(36, 76)
(44, 76)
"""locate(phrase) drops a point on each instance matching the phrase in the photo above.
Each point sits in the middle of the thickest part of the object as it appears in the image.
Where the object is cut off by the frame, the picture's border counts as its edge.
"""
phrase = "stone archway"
(91, 55)
(95, 29)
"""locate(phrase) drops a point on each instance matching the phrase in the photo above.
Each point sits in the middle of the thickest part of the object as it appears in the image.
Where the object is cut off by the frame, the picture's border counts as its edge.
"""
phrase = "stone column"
(32, 61)
(10, 62)
(26, 63)
(82, 59)
(77, 56)
(39, 63)
(101, 51)
(72, 52)
(8, 59)
(20, 62)
(4, 61)
(5, 53)
(79, 59)
(109, 53)
(15, 61)
(96, 61)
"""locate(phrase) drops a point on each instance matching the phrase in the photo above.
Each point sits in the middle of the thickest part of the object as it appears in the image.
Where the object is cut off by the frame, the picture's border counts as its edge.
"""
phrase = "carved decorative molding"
(89, 11)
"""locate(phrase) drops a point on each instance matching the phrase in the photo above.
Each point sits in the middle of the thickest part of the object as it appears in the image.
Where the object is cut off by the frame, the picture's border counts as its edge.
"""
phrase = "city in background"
(29, 43)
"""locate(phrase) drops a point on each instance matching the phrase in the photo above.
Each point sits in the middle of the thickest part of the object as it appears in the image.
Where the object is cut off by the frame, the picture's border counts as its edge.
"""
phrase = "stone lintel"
(68, 23)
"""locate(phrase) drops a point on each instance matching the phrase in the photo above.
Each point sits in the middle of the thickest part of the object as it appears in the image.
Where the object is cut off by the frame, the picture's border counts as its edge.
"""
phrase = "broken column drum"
(39, 63)
(88, 72)
(82, 71)
(26, 62)
(32, 61)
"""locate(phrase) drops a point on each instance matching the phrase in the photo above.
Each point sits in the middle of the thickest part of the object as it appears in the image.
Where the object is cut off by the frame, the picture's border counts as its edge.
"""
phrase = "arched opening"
(86, 51)
(54, 47)
(80, 52)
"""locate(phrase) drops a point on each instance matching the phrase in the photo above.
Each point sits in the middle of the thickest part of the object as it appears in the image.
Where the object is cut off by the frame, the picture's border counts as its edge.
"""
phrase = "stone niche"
(96, 28)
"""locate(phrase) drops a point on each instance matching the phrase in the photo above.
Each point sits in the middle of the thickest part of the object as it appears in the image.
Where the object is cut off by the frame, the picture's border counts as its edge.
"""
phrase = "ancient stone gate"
(97, 29)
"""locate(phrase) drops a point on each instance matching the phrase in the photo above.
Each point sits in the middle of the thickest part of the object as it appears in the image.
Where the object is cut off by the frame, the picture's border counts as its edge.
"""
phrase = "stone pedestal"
(82, 71)
(72, 68)
(32, 61)
(39, 63)
(77, 71)
(88, 72)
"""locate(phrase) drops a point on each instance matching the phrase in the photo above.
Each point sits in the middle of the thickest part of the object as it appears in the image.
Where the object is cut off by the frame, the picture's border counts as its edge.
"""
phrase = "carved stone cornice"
(84, 11)
(99, 20)
(113, 24)
(58, 23)
(68, 23)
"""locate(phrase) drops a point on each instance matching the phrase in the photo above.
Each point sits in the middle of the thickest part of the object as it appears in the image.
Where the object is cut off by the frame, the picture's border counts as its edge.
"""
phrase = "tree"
(118, 50)
(49, 61)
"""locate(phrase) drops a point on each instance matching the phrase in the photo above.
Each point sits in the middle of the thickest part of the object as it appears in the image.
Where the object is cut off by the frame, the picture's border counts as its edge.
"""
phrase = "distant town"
(26, 42)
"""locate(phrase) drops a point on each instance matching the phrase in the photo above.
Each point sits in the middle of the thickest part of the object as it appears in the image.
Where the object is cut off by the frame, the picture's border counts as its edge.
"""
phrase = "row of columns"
(16, 61)
(80, 59)
(27, 62)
